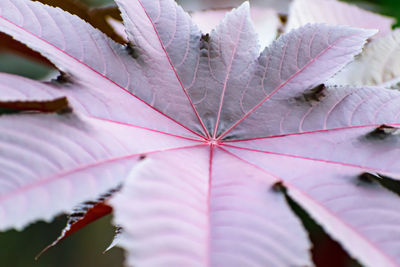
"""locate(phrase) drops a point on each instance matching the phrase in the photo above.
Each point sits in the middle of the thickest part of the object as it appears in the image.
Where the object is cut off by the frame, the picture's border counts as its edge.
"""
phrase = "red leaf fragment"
(97, 212)
(82, 216)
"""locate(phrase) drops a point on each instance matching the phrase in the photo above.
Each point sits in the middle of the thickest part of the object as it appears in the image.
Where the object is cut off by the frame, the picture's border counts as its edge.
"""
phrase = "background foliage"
(85, 248)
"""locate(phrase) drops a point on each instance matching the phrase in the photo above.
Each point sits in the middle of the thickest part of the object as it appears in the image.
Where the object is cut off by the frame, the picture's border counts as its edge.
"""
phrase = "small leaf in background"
(335, 12)
(378, 65)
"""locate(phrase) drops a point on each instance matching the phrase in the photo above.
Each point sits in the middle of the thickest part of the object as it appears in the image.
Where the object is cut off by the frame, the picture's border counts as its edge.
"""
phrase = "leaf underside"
(200, 129)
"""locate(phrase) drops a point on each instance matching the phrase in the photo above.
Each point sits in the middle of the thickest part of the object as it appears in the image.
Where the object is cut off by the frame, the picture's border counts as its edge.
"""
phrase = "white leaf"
(334, 12)
(378, 65)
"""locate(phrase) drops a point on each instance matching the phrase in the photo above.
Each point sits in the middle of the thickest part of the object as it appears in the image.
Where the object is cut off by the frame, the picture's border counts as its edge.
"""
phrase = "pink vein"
(84, 167)
(227, 77)
(330, 111)
(282, 85)
(176, 74)
(329, 212)
(147, 129)
(309, 132)
(308, 159)
(208, 260)
(105, 77)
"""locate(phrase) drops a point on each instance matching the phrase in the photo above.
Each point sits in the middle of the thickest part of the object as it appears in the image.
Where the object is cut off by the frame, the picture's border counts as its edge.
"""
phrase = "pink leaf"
(362, 217)
(88, 55)
(50, 163)
(201, 130)
(163, 36)
(180, 221)
(295, 62)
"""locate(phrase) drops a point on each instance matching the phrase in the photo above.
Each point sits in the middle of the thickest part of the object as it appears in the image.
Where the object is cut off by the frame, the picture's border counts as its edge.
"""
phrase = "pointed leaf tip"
(244, 7)
(377, 66)
(371, 32)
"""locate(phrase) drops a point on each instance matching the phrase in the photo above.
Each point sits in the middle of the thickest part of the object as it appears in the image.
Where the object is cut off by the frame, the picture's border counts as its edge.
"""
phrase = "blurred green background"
(84, 248)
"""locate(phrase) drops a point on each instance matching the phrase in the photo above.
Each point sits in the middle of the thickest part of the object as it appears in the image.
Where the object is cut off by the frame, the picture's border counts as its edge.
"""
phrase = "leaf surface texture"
(201, 129)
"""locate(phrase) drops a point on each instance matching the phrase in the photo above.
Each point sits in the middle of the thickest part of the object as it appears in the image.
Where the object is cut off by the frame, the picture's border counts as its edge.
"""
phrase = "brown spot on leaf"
(283, 18)
(63, 78)
(367, 177)
(90, 203)
(205, 37)
(383, 132)
(279, 187)
(133, 51)
(312, 95)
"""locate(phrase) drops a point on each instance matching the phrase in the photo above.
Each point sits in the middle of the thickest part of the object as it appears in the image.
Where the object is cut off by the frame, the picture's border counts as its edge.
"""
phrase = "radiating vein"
(147, 129)
(294, 190)
(297, 73)
(98, 73)
(365, 168)
(175, 72)
(49, 179)
(227, 77)
(309, 132)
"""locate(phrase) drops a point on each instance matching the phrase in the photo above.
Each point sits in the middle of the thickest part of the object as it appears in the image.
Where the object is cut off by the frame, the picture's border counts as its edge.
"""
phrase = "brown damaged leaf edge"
(389, 183)
(383, 132)
(58, 105)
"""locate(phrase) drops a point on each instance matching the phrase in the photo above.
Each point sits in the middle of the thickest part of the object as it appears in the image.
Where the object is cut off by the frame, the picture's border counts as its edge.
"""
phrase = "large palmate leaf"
(202, 131)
